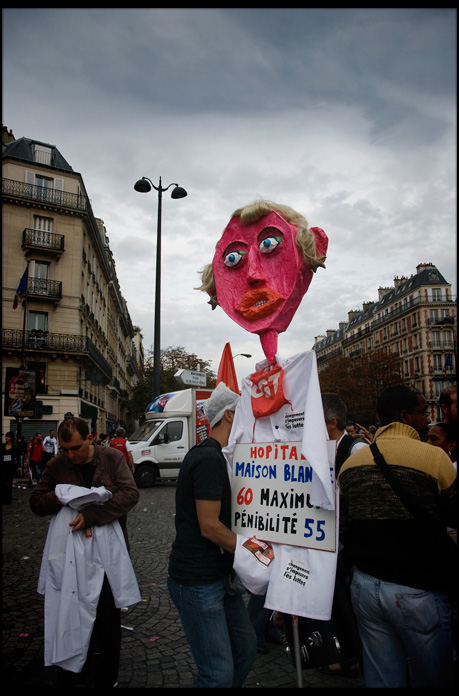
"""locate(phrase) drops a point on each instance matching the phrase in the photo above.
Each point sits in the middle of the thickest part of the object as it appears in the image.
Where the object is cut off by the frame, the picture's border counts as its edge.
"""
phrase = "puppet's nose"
(255, 274)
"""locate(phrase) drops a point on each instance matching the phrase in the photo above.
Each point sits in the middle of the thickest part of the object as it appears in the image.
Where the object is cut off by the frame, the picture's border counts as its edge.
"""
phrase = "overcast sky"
(348, 116)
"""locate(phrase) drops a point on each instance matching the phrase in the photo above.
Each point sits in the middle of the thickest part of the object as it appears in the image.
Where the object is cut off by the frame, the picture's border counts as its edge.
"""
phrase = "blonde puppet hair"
(252, 213)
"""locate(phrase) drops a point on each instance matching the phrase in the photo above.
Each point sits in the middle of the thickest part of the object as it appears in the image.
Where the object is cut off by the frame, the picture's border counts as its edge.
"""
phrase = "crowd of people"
(397, 561)
(31, 459)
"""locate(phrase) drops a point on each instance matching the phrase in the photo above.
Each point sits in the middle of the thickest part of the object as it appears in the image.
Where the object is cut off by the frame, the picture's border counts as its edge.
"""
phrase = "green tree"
(359, 381)
(172, 360)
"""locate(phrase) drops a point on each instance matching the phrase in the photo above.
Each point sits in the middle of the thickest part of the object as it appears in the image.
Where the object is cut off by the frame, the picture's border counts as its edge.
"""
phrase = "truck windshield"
(145, 431)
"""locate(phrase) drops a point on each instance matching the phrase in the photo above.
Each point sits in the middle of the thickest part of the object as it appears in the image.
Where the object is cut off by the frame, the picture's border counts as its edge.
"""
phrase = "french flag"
(447, 364)
(22, 287)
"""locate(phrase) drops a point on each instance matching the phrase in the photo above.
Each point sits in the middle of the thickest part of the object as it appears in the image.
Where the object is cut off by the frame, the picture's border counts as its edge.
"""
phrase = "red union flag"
(267, 391)
(226, 372)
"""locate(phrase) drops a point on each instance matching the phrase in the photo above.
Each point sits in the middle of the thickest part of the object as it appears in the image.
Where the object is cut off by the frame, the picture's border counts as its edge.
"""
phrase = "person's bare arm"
(365, 435)
(212, 528)
(131, 462)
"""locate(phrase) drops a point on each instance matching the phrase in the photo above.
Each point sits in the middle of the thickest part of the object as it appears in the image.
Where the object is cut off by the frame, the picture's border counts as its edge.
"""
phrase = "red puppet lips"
(259, 303)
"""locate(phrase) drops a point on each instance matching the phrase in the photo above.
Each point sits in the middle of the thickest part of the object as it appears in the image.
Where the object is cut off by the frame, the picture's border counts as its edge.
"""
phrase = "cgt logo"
(267, 391)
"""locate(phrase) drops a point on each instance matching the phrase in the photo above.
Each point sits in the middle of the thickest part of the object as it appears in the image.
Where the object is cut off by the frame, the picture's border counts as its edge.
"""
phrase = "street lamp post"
(144, 185)
(246, 355)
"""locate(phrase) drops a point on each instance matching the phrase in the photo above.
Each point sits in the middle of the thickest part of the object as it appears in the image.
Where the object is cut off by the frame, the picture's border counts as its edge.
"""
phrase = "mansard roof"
(23, 150)
(427, 274)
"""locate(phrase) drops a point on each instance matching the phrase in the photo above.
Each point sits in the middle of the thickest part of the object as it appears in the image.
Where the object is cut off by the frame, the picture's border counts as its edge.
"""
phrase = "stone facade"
(416, 319)
(72, 327)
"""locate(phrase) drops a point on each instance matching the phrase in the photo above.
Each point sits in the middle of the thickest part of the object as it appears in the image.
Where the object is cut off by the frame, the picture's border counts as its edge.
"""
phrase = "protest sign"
(271, 488)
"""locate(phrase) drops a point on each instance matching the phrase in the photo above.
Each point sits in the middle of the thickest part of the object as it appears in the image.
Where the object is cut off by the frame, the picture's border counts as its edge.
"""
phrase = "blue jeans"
(398, 622)
(218, 630)
(35, 470)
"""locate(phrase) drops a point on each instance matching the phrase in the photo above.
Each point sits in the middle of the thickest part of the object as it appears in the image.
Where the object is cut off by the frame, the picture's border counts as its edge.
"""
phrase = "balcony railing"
(447, 344)
(50, 289)
(328, 356)
(357, 336)
(411, 304)
(444, 321)
(44, 194)
(48, 241)
(64, 343)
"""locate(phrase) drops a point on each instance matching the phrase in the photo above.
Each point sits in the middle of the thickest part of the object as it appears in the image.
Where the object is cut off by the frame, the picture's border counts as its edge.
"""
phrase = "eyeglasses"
(424, 411)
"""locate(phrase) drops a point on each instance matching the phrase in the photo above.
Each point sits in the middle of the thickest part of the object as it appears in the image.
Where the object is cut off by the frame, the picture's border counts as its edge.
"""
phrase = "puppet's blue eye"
(233, 258)
(268, 244)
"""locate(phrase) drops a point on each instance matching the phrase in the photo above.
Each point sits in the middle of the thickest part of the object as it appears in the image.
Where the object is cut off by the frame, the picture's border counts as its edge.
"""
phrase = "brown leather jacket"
(110, 471)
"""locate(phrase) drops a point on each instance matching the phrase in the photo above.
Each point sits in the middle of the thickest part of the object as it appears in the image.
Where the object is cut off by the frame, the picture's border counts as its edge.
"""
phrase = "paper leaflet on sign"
(271, 488)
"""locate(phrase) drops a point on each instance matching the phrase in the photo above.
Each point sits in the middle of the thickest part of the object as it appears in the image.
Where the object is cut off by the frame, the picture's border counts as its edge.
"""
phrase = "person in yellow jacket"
(399, 586)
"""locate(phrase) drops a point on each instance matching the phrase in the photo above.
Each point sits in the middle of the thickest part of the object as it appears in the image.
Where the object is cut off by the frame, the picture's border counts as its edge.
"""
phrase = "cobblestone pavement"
(154, 651)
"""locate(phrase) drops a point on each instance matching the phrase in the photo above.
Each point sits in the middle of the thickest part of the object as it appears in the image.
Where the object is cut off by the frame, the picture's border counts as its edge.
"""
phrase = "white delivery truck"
(174, 423)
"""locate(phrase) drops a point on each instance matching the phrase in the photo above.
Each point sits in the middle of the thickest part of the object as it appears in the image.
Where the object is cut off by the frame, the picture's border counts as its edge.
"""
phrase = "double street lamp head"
(144, 185)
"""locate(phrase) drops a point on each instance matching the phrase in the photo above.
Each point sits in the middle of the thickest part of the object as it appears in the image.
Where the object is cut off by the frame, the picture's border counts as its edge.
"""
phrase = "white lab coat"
(72, 574)
(301, 388)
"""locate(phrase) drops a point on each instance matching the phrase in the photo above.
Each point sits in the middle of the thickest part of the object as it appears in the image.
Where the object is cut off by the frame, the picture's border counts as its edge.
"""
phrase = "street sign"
(191, 378)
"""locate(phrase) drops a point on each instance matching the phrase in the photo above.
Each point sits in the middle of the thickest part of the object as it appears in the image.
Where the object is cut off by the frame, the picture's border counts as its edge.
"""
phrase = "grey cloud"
(349, 116)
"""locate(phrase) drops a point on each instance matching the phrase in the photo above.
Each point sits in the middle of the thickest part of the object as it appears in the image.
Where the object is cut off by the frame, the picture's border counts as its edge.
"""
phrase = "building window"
(44, 181)
(436, 339)
(37, 321)
(42, 154)
(43, 224)
(39, 277)
(42, 231)
(437, 361)
(45, 188)
(448, 339)
(40, 270)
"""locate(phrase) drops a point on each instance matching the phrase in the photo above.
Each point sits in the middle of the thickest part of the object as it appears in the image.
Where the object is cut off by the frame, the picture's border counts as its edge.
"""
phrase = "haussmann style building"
(70, 327)
(416, 319)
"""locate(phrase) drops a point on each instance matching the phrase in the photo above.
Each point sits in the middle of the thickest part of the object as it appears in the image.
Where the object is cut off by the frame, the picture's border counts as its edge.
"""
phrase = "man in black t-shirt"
(201, 578)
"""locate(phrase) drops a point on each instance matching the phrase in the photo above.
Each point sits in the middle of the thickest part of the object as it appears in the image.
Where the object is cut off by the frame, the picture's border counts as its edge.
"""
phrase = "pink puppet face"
(260, 275)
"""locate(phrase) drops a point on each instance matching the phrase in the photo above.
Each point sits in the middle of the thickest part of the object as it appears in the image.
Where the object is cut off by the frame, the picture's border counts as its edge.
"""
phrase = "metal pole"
(297, 652)
(157, 337)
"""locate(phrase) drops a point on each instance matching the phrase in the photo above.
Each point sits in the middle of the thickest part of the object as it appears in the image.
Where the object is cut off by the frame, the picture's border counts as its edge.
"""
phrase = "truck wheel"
(145, 476)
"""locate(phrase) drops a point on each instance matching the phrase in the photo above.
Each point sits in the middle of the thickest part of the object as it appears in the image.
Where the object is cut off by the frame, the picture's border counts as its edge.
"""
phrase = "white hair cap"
(222, 399)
